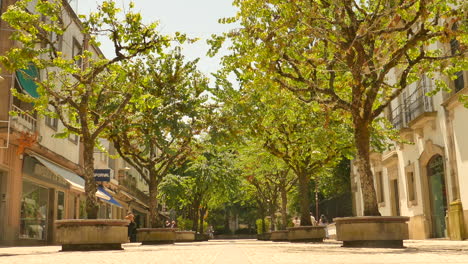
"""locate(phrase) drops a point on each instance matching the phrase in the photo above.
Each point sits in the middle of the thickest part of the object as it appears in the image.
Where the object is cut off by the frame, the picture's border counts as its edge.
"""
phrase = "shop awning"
(75, 181)
(111, 200)
(26, 78)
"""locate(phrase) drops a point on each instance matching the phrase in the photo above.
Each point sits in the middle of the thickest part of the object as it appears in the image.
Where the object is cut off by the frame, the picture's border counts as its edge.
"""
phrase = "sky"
(196, 18)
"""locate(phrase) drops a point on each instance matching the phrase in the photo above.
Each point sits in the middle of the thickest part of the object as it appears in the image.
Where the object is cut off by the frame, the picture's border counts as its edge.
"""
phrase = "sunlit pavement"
(247, 251)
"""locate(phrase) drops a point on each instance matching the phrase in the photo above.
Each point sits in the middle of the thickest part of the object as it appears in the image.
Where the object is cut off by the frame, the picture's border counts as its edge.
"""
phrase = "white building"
(422, 179)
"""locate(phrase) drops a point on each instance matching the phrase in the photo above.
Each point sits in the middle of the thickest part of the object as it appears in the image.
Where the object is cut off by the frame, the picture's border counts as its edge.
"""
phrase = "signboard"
(102, 175)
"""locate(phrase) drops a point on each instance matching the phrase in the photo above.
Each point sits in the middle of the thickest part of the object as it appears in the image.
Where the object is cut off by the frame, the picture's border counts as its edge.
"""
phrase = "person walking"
(131, 233)
(323, 221)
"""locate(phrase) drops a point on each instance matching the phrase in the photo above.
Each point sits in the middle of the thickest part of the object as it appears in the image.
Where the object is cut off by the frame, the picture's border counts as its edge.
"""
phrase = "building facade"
(428, 172)
(40, 178)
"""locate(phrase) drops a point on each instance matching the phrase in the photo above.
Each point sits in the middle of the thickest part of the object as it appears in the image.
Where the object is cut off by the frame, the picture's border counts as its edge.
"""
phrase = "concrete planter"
(201, 237)
(306, 234)
(91, 234)
(152, 236)
(280, 235)
(372, 231)
(185, 236)
(264, 236)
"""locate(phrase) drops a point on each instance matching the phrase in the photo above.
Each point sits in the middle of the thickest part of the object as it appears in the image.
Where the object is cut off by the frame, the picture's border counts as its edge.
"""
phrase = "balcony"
(23, 122)
(415, 108)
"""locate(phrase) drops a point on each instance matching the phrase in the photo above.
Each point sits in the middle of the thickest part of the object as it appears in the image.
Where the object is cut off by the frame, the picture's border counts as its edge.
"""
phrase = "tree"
(157, 132)
(271, 179)
(304, 137)
(203, 183)
(86, 91)
(356, 56)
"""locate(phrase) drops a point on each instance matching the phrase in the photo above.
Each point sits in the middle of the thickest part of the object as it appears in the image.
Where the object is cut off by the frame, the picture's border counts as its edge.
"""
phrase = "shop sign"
(102, 175)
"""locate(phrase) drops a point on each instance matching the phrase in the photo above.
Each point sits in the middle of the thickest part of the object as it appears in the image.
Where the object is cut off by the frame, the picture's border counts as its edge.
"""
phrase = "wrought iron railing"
(412, 107)
(418, 103)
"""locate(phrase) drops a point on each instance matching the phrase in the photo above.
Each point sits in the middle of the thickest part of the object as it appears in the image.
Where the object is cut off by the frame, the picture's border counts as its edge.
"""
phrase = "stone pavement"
(246, 251)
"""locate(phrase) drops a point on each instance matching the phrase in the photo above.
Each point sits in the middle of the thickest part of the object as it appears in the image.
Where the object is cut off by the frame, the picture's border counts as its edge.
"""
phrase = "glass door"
(34, 210)
(438, 197)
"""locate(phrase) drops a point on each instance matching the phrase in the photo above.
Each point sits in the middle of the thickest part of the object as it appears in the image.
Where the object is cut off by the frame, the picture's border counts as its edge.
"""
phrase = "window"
(77, 50)
(73, 138)
(60, 205)
(51, 122)
(380, 190)
(411, 186)
(459, 82)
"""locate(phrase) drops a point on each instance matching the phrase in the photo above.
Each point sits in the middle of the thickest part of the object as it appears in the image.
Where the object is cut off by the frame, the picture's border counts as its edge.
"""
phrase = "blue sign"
(102, 175)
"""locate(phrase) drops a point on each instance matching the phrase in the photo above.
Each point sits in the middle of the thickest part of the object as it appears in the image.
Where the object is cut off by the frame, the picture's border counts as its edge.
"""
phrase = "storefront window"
(83, 213)
(34, 204)
(105, 211)
(60, 205)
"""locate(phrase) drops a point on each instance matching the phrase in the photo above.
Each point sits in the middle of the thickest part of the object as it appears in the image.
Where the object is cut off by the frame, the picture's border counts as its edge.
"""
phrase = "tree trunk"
(202, 216)
(90, 184)
(195, 208)
(362, 140)
(304, 198)
(284, 204)
(262, 215)
(155, 221)
(226, 219)
(272, 216)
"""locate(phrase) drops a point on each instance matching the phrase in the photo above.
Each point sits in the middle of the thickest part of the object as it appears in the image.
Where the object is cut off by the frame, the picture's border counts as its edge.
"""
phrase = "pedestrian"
(210, 232)
(173, 224)
(312, 220)
(296, 221)
(168, 224)
(131, 233)
(323, 220)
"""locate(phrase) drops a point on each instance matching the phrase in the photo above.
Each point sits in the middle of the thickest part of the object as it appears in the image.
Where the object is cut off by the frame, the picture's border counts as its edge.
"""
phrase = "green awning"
(26, 79)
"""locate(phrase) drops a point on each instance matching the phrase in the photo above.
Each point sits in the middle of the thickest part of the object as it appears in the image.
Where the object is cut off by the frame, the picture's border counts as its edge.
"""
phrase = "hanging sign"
(102, 175)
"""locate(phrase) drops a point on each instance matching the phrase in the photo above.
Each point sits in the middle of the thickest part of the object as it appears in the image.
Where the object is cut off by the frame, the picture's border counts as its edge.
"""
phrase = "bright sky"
(197, 18)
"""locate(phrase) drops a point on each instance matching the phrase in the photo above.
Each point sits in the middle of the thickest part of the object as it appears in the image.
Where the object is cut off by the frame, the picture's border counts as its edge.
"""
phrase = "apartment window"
(51, 122)
(380, 190)
(57, 40)
(459, 82)
(411, 186)
(77, 50)
(73, 138)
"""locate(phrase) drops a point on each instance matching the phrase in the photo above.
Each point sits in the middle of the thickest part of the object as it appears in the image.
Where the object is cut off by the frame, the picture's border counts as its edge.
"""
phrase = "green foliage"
(344, 56)
(86, 91)
(184, 224)
(259, 224)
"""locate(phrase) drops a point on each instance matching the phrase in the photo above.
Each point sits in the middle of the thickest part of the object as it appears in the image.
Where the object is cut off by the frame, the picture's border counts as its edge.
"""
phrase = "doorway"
(437, 195)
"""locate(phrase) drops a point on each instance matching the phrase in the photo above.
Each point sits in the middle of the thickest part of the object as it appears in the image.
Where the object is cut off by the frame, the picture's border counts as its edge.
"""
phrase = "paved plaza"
(246, 251)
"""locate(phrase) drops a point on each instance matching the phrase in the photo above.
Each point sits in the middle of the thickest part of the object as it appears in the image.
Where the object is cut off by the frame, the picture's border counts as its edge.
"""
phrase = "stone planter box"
(185, 236)
(154, 236)
(280, 235)
(306, 234)
(91, 234)
(264, 236)
(201, 237)
(372, 231)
